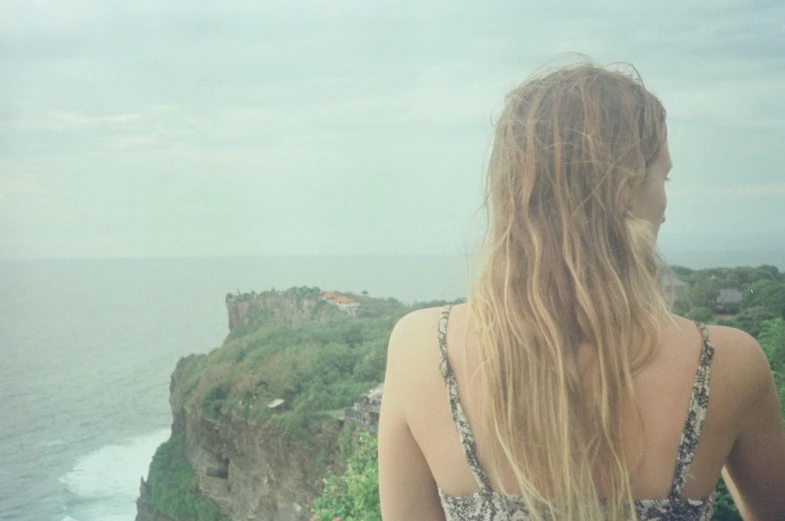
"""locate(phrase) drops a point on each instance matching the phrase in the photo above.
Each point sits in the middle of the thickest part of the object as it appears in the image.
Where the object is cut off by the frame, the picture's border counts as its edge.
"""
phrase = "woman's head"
(576, 148)
(574, 199)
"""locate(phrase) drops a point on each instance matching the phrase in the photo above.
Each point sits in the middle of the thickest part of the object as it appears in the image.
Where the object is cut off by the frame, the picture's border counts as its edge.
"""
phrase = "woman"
(565, 389)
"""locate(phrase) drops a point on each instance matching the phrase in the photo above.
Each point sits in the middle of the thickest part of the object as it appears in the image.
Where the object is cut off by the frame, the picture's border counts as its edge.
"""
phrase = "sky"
(236, 127)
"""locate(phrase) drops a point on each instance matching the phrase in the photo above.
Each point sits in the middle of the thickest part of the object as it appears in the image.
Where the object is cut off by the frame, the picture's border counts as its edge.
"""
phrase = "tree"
(751, 319)
(701, 314)
(704, 293)
(772, 340)
(681, 307)
(771, 271)
(681, 272)
(769, 294)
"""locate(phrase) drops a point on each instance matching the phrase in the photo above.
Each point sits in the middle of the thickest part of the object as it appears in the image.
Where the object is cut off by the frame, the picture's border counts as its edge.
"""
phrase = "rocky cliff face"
(251, 472)
(248, 468)
(281, 310)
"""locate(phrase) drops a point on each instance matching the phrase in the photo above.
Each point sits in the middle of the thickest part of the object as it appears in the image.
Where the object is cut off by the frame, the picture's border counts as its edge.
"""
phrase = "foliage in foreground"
(355, 495)
(173, 485)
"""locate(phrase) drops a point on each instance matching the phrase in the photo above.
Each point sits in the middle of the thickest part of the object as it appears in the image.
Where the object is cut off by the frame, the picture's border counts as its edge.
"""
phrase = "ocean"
(87, 347)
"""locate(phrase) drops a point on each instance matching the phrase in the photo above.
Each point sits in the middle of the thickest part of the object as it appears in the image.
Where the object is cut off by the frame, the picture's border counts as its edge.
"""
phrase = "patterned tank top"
(488, 505)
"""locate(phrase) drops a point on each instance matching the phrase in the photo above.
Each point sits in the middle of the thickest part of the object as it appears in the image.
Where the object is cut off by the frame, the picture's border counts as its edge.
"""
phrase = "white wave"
(104, 484)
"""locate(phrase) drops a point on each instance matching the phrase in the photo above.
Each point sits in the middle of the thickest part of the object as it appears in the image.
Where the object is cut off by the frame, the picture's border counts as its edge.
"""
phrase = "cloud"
(276, 105)
(68, 121)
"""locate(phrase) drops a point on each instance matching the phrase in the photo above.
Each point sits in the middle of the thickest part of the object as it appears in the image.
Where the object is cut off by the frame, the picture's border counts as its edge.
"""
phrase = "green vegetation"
(298, 294)
(701, 314)
(766, 294)
(316, 368)
(355, 495)
(173, 486)
(313, 367)
(762, 290)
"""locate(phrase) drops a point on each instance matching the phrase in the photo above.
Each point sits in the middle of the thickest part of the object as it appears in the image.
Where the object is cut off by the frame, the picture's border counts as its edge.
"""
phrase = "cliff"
(247, 468)
(258, 422)
(293, 306)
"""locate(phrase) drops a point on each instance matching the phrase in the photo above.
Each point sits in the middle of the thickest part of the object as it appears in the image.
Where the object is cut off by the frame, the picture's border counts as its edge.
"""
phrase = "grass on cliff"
(317, 368)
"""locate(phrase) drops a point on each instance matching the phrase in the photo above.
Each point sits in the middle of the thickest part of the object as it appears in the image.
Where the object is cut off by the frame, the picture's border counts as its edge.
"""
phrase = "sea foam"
(104, 484)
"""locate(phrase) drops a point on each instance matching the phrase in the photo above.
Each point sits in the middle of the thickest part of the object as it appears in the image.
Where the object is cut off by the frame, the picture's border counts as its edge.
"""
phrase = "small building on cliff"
(342, 302)
(365, 413)
(272, 307)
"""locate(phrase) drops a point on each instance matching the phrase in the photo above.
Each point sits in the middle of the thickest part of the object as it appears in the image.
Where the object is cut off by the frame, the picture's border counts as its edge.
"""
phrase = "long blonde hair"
(564, 264)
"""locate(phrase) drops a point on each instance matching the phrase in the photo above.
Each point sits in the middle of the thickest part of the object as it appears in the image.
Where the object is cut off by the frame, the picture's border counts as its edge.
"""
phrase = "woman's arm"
(407, 489)
(755, 471)
(737, 499)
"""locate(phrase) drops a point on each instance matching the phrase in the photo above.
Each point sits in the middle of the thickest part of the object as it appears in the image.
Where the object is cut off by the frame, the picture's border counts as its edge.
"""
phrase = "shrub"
(173, 485)
(724, 508)
(751, 319)
(701, 314)
(215, 397)
(355, 495)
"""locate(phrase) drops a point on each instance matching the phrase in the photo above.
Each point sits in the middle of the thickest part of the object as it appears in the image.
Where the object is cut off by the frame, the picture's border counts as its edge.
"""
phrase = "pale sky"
(181, 128)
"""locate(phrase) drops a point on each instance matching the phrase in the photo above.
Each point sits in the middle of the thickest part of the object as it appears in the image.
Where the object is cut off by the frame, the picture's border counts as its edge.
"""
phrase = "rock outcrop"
(252, 473)
(278, 309)
(248, 468)
(241, 460)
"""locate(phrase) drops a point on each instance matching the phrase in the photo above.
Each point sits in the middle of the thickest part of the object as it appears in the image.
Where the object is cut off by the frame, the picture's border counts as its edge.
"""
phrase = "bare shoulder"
(740, 375)
(740, 355)
(755, 469)
(413, 333)
(412, 348)
(417, 323)
(407, 489)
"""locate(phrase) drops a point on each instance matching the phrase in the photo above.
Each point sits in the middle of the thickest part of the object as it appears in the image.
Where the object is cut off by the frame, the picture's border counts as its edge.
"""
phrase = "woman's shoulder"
(422, 325)
(414, 341)
(738, 352)
(414, 331)
(419, 321)
(733, 348)
(740, 371)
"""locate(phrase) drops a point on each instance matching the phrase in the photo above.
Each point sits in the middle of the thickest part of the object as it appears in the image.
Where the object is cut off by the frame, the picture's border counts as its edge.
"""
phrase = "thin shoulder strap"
(468, 443)
(696, 415)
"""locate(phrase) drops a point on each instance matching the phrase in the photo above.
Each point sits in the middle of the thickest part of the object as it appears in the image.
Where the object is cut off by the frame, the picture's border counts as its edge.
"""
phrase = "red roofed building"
(344, 303)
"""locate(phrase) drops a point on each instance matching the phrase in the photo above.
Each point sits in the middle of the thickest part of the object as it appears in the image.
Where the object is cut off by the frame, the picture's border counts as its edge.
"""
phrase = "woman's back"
(664, 391)
(665, 388)
(584, 377)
